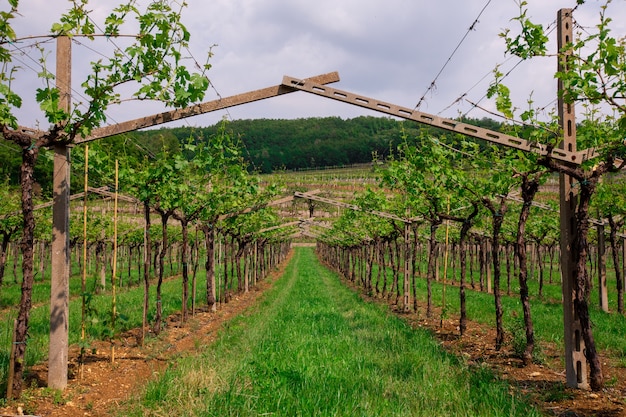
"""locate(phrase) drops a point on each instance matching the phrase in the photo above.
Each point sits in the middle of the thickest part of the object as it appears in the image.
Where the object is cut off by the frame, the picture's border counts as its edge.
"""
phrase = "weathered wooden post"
(575, 361)
(59, 290)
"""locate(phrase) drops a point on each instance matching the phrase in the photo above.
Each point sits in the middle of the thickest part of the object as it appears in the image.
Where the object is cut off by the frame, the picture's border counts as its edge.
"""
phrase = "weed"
(556, 392)
(611, 382)
(517, 331)
(55, 394)
(28, 405)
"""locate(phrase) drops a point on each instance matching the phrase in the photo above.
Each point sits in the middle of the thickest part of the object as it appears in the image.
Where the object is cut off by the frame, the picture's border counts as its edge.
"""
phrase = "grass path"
(312, 347)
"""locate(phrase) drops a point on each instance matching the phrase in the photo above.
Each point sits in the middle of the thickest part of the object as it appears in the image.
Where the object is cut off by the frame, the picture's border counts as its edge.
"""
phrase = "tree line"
(267, 145)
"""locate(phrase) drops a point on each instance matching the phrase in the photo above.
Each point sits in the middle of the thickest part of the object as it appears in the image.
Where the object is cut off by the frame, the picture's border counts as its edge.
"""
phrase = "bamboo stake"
(113, 307)
(83, 281)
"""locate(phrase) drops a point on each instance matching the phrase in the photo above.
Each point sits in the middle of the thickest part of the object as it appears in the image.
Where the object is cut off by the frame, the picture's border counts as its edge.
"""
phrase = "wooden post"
(602, 287)
(256, 261)
(575, 361)
(59, 289)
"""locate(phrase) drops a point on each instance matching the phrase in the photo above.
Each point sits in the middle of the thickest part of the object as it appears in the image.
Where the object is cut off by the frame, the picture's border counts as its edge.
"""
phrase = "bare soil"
(101, 387)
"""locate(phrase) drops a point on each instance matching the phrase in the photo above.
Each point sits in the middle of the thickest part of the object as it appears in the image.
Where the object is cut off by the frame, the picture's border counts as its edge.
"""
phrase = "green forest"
(278, 144)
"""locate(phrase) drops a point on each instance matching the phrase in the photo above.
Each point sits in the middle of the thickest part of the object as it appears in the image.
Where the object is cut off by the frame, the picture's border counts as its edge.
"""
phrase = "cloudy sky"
(391, 50)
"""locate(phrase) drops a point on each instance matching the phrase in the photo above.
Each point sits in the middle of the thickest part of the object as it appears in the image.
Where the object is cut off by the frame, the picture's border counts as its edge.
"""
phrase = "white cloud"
(390, 50)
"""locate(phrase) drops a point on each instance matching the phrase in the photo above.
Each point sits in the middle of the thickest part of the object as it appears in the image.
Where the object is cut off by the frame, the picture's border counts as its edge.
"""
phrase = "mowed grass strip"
(312, 347)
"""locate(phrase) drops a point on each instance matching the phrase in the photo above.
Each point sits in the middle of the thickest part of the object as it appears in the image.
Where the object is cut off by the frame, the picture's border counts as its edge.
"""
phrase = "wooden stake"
(623, 261)
(194, 264)
(146, 265)
(407, 263)
(601, 265)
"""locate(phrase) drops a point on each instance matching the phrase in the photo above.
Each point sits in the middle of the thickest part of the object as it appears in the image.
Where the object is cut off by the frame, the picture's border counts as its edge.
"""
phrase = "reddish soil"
(104, 386)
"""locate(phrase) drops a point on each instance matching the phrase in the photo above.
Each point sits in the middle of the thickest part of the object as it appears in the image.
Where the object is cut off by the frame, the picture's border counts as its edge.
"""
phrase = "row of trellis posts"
(356, 263)
(238, 264)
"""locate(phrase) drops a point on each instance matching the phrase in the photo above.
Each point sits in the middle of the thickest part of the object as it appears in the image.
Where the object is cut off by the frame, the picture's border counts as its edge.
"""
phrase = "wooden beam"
(349, 206)
(202, 108)
(455, 126)
(280, 226)
(50, 203)
(270, 204)
(104, 191)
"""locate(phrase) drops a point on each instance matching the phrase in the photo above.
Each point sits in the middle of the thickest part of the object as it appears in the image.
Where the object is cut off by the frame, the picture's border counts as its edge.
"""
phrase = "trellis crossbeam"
(349, 206)
(432, 120)
(206, 107)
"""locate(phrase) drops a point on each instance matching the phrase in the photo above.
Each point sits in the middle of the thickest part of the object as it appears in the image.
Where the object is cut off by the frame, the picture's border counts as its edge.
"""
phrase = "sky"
(391, 50)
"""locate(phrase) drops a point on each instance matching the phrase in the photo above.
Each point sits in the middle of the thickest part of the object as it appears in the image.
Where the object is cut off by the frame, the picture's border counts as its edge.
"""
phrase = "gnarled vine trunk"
(583, 285)
(158, 317)
(614, 226)
(209, 265)
(530, 186)
(432, 257)
(4, 245)
(465, 228)
(497, 217)
(29, 157)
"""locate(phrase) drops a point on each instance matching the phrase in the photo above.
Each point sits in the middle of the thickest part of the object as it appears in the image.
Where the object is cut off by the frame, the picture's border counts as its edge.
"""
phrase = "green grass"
(312, 347)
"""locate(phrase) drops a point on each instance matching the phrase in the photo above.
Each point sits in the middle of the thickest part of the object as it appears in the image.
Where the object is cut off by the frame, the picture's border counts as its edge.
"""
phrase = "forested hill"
(271, 144)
